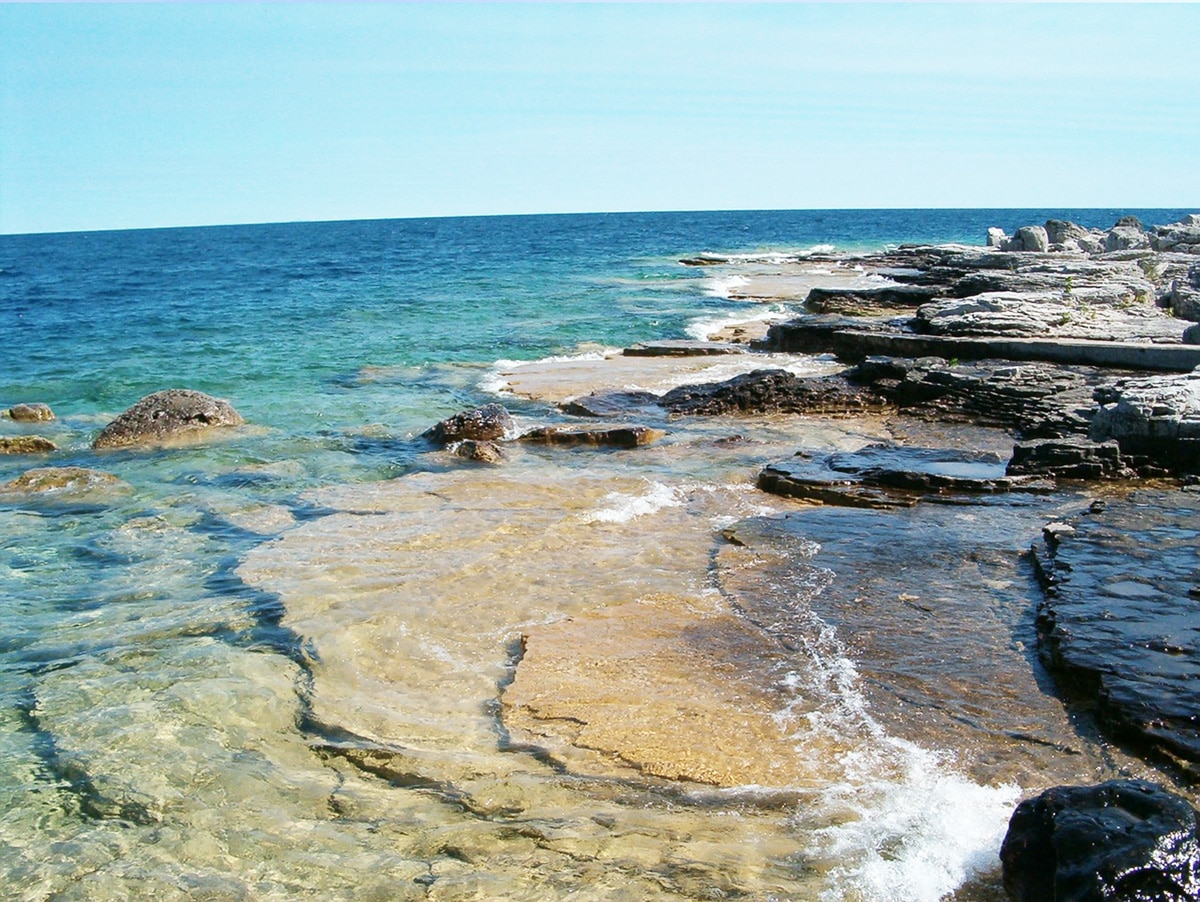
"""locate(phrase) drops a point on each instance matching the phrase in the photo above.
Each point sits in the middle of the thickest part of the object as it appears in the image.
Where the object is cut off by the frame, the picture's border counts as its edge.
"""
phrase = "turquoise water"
(161, 725)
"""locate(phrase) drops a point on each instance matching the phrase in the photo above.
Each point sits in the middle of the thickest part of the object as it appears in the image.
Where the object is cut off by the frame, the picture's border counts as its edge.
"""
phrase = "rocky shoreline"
(1082, 345)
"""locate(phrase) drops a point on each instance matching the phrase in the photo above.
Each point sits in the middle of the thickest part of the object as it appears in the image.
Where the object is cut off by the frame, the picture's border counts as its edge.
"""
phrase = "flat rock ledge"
(614, 437)
(1120, 841)
(891, 476)
(177, 414)
(1117, 626)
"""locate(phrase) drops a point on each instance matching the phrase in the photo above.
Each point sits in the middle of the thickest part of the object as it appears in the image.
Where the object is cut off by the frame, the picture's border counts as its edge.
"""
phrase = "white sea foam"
(908, 828)
(495, 381)
(623, 507)
(724, 286)
(704, 329)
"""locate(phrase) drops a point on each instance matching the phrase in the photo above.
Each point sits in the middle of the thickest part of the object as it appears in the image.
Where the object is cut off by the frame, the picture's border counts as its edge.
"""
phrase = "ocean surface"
(317, 658)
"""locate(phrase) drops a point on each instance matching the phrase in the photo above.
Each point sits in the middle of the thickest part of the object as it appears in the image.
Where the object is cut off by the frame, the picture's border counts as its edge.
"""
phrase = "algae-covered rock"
(26, 444)
(53, 480)
(164, 416)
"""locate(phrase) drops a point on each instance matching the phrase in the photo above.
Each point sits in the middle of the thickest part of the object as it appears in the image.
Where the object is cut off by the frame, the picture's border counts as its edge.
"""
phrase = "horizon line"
(446, 216)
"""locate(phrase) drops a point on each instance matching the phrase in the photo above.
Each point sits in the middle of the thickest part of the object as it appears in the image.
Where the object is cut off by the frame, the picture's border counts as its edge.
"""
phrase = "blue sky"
(138, 115)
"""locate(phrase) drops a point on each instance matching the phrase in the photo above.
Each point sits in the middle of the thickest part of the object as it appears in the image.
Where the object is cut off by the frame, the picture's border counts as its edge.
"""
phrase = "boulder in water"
(481, 424)
(174, 414)
(1120, 841)
(30, 413)
(26, 444)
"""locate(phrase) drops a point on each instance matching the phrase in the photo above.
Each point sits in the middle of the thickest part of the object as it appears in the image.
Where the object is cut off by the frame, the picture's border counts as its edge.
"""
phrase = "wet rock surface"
(883, 476)
(487, 423)
(609, 403)
(613, 437)
(1119, 623)
(174, 414)
(1120, 841)
(1069, 458)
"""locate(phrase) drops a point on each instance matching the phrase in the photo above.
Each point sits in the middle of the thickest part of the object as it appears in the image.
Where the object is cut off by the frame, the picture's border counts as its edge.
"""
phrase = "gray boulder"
(1125, 238)
(997, 238)
(1181, 237)
(1030, 239)
(1156, 418)
(177, 414)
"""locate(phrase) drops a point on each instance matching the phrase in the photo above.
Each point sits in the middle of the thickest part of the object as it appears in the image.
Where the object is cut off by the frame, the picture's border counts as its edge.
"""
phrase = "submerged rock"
(482, 424)
(30, 413)
(56, 480)
(1120, 841)
(615, 436)
(478, 451)
(1117, 625)
(609, 403)
(26, 444)
(165, 416)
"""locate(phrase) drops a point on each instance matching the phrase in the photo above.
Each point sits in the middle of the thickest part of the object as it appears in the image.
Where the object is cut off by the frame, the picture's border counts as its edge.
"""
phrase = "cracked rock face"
(178, 414)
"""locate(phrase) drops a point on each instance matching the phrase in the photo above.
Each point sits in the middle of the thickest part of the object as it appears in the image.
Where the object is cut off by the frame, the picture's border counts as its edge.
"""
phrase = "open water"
(316, 658)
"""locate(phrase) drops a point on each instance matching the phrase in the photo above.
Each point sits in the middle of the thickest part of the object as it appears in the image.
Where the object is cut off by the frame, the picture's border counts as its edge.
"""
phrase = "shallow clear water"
(315, 658)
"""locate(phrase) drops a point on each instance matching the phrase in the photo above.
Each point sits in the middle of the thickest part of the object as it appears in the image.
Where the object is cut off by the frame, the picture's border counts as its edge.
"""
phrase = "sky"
(146, 115)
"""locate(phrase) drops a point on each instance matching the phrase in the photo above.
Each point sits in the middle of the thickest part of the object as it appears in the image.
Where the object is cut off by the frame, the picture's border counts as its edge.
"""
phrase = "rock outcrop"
(164, 417)
(1120, 841)
(1156, 418)
(772, 391)
(1070, 457)
(482, 424)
